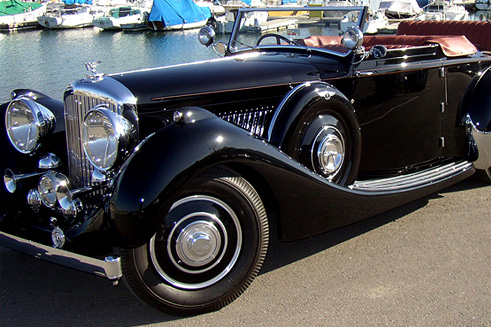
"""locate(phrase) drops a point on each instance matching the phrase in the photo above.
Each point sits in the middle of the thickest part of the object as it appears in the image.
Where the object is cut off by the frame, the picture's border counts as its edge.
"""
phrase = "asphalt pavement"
(427, 263)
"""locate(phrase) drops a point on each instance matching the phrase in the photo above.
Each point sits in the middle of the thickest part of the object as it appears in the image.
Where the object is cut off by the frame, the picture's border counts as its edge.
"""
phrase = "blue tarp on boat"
(176, 12)
(72, 2)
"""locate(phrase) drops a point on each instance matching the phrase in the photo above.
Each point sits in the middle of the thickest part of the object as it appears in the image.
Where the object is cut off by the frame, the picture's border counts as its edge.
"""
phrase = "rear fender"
(477, 101)
(476, 113)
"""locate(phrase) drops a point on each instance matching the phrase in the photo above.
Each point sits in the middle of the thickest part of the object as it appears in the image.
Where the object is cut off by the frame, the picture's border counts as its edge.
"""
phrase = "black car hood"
(247, 71)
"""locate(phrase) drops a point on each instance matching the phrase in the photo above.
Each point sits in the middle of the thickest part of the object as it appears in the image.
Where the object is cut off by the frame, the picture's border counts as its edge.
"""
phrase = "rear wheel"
(485, 175)
(209, 249)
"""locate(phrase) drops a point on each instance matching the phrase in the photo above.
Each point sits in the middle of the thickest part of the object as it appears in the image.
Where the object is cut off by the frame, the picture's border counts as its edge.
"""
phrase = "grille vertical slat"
(76, 107)
(255, 120)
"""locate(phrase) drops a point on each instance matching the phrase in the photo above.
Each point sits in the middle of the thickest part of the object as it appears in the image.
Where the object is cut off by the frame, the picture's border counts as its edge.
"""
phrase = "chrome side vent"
(255, 121)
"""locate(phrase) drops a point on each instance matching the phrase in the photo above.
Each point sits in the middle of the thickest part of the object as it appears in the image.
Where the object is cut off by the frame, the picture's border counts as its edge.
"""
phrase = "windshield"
(316, 27)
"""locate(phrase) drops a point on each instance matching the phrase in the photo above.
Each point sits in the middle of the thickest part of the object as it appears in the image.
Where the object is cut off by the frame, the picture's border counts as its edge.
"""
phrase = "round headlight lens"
(105, 135)
(27, 122)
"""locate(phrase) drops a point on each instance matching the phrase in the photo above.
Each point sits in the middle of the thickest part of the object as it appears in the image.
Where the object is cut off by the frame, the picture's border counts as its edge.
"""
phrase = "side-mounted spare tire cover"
(316, 125)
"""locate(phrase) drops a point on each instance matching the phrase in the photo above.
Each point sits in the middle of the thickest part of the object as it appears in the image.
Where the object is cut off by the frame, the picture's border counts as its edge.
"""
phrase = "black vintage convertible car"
(171, 178)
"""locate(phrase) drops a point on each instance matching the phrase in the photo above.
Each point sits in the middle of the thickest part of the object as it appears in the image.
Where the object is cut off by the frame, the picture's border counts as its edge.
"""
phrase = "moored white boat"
(123, 17)
(483, 4)
(376, 20)
(398, 9)
(252, 21)
(215, 7)
(444, 10)
(16, 15)
(71, 16)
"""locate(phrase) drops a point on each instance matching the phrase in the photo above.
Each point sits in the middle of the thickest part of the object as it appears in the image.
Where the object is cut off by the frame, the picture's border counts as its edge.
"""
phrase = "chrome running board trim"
(414, 180)
(109, 268)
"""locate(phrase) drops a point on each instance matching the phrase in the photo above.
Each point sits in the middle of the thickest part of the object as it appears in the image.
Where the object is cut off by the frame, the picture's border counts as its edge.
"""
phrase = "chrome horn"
(11, 180)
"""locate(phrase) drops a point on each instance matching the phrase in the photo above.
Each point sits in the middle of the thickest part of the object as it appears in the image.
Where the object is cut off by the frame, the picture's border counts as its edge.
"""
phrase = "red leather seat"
(451, 45)
(478, 32)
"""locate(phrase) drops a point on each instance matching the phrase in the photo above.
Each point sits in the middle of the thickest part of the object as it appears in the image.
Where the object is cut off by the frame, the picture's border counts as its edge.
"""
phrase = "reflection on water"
(48, 60)
(483, 15)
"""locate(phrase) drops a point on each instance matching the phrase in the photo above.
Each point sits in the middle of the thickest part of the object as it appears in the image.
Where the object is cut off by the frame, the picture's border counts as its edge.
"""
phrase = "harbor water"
(48, 60)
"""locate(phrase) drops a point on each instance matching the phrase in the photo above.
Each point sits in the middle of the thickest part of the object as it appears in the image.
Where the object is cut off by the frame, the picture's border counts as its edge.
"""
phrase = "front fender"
(165, 162)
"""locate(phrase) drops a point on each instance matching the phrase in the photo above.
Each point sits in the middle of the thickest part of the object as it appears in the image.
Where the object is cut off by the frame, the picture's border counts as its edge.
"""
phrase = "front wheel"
(209, 249)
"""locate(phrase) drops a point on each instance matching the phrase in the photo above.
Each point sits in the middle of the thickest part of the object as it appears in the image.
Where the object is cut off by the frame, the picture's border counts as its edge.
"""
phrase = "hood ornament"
(93, 75)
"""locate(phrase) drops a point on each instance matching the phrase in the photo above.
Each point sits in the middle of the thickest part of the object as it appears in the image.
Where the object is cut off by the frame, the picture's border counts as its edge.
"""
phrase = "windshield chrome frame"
(242, 11)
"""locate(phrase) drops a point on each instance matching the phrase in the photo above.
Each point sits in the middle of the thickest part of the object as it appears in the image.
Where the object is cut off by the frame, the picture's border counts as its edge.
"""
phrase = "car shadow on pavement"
(281, 254)
(38, 293)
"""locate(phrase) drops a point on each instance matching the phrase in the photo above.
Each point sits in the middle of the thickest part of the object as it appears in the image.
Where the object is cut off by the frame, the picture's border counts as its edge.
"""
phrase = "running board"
(414, 180)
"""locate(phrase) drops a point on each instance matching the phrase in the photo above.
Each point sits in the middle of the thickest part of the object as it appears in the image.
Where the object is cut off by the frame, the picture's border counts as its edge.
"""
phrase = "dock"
(274, 25)
(391, 28)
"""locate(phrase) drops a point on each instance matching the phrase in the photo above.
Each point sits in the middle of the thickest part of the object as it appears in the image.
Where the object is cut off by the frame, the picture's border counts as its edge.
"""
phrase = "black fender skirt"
(163, 165)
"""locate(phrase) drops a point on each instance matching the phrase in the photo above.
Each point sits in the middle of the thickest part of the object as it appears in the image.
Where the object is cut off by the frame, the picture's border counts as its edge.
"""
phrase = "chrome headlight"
(106, 137)
(27, 122)
(353, 38)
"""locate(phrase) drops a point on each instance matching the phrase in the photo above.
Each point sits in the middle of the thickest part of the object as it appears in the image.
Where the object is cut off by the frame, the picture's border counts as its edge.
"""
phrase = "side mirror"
(353, 38)
(378, 51)
(220, 48)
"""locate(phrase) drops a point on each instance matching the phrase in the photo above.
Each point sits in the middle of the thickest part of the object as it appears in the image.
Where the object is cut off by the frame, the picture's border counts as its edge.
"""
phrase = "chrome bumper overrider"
(109, 268)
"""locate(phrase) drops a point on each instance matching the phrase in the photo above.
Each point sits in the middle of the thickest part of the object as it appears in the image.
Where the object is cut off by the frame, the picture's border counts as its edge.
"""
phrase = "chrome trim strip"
(414, 180)
(109, 268)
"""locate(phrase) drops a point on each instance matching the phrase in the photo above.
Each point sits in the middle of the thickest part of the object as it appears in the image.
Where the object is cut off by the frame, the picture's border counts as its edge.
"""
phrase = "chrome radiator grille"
(255, 121)
(76, 107)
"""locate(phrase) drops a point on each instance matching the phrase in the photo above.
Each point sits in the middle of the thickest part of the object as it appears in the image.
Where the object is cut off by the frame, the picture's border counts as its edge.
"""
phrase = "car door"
(398, 100)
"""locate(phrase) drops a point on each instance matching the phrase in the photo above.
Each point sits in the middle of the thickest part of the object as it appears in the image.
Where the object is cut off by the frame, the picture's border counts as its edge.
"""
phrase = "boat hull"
(159, 26)
(21, 21)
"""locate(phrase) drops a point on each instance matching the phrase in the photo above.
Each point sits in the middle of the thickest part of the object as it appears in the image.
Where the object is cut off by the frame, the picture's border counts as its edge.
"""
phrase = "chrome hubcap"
(198, 243)
(330, 151)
